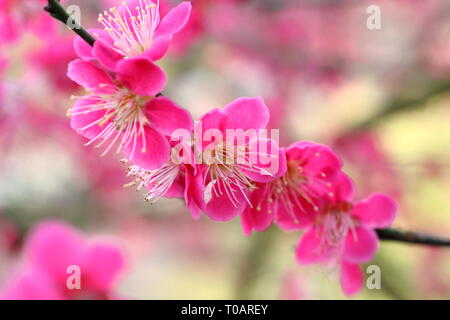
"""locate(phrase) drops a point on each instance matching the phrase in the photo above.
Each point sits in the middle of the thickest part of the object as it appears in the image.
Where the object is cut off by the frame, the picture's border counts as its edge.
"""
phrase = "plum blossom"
(134, 29)
(171, 181)
(294, 199)
(50, 249)
(177, 178)
(232, 165)
(126, 110)
(343, 235)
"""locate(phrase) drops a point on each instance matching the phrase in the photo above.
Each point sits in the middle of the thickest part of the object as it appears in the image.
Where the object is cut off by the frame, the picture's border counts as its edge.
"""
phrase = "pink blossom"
(50, 249)
(171, 180)
(343, 233)
(294, 199)
(133, 29)
(179, 177)
(126, 110)
(228, 180)
(52, 60)
(16, 16)
(365, 152)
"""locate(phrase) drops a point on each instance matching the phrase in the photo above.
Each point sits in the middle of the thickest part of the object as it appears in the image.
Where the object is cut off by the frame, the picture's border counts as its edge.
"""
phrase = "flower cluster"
(225, 165)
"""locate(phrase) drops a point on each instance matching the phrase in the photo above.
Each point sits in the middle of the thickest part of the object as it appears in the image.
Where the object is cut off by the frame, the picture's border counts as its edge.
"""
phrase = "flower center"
(131, 34)
(334, 225)
(124, 119)
(225, 171)
(296, 189)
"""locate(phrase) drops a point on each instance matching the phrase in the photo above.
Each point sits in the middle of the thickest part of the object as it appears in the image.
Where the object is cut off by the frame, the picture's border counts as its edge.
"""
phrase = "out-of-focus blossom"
(52, 253)
(293, 286)
(18, 16)
(294, 199)
(430, 273)
(52, 60)
(9, 234)
(126, 110)
(364, 151)
(194, 29)
(343, 235)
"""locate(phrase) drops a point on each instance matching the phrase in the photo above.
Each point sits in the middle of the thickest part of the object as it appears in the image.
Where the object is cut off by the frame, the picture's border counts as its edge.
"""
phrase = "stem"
(400, 104)
(412, 237)
(59, 13)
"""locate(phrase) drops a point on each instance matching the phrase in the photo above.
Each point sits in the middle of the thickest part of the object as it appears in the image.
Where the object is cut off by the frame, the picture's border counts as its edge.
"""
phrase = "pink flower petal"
(220, 208)
(82, 49)
(165, 116)
(31, 284)
(159, 48)
(343, 188)
(352, 278)
(102, 35)
(258, 217)
(101, 265)
(215, 120)
(247, 113)
(316, 158)
(175, 20)
(106, 55)
(141, 76)
(309, 249)
(54, 246)
(361, 244)
(194, 191)
(90, 76)
(377, 211)
(176, 190)
(81, 122)
(298, 215)
(155, 154)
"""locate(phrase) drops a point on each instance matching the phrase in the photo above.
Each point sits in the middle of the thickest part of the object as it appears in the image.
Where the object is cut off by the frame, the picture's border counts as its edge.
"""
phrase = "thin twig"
(398, 105)
(412, 237)
(59, 13)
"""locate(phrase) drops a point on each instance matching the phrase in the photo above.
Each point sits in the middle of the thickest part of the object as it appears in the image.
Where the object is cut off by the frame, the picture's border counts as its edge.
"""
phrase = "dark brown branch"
(412, 237)
(59, 13)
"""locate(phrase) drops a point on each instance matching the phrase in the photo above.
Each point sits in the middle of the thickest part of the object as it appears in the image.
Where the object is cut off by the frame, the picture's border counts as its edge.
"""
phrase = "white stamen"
(157, 182)
(124, 120)
(131, 34)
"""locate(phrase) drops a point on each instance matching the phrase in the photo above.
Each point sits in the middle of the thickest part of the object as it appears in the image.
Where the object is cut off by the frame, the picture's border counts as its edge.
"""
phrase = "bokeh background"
(380, 98)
